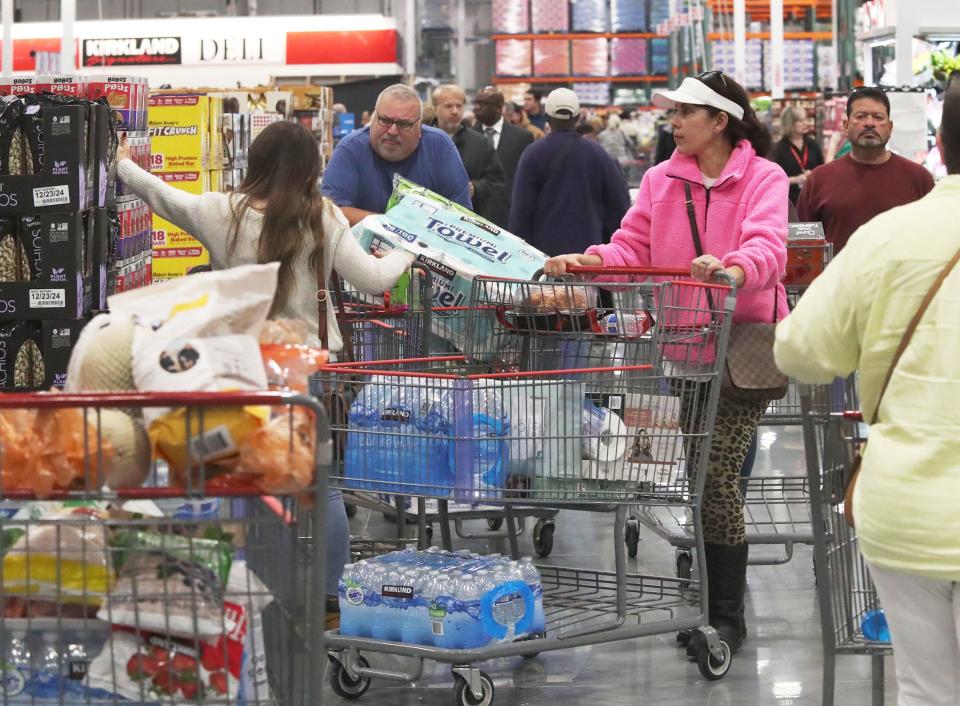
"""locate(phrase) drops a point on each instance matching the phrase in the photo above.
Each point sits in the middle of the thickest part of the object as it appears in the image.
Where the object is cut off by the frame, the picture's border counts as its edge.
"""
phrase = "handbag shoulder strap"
(912, 327)
(698, 246)
(322, 295)
(692, 217)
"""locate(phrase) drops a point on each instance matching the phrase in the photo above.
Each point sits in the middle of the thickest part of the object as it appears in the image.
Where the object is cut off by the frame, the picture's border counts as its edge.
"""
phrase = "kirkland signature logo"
(131, 51)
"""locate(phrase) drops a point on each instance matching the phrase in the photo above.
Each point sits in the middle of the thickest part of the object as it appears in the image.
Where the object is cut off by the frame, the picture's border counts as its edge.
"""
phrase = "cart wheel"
(543, 538)
(463, 696)
(495, 523)
(632, 538)
(346, 686)
(683, 638)
(684, 568)
(711, 667)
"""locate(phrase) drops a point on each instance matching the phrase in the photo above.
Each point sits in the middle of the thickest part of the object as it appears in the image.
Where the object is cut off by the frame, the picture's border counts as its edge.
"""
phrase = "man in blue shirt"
(568, 193)
(359, 178)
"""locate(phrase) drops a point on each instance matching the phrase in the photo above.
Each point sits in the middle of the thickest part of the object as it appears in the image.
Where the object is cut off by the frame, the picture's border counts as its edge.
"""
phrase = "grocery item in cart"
(289, 366)
(170, 584)
(442, 599)
(196, 334)
(654, 452)
(280, 457)
(551, 307)
(55, 449)
(64, 559)
(427, 436)
(454, 244)
(604, 433)
(45, 661)
(140, 664)
(545, 426)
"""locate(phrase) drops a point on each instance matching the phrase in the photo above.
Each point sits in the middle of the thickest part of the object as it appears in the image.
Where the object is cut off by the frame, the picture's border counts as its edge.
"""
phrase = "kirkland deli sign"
(133, 51)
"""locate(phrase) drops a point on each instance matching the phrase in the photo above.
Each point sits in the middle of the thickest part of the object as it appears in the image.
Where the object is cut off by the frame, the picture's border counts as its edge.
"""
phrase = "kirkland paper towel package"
(545, 421)
(453, 243)
(647, 438)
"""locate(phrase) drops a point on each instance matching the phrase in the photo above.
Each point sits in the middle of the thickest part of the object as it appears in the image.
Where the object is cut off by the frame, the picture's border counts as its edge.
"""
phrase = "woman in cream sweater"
(278, 215)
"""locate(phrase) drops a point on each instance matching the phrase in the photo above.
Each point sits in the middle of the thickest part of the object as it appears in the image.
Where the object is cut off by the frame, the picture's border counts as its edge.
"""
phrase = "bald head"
(488, 105)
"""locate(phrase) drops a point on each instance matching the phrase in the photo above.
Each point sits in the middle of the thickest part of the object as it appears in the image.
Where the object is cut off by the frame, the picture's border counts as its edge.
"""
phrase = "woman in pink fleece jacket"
(740, 202)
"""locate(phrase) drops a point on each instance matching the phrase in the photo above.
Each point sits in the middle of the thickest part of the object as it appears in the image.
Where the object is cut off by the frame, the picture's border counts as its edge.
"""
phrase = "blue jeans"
(338, 540)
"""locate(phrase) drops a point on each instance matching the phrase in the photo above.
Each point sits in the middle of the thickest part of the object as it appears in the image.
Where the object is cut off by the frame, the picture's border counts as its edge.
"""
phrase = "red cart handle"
(721, 277)
(56, 400)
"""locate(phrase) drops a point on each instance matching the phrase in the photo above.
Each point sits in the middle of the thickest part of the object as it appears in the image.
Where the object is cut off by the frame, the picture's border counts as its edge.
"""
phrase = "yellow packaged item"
(180, 133)
(63, 557)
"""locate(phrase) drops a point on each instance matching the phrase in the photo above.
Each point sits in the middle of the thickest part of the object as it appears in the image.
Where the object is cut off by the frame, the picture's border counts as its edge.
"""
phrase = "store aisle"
(779, 664)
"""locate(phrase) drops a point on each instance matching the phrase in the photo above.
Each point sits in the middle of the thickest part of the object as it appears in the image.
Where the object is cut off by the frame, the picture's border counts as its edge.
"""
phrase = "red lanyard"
(801, 160)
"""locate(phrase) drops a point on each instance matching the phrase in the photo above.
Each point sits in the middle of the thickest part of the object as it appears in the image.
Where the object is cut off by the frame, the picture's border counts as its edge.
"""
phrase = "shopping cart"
(776, 507)
(503, 424)
(194, 590)
(845, 590)
(398, 326)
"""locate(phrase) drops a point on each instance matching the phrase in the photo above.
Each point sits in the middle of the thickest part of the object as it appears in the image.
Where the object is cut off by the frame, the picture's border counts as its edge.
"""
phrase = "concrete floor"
(780, 663)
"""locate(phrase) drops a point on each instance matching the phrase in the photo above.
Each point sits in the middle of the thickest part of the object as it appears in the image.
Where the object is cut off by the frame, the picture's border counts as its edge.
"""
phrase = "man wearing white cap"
(568, 193)
(716, 204)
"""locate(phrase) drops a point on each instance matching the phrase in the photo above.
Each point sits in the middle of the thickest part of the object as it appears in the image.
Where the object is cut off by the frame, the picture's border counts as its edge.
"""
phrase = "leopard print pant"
(736, 423)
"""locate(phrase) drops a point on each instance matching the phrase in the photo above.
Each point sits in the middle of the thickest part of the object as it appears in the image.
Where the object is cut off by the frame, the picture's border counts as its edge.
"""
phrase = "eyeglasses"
(707, 75)
(402, 125)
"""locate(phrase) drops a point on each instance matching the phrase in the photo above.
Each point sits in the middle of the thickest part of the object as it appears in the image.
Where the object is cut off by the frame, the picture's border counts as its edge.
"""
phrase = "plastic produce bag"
(280, 457)
(289, 367)
(50, 449)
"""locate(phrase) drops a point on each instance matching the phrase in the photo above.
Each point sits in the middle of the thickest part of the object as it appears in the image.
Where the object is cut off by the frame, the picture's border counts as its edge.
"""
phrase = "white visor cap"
(696, 92)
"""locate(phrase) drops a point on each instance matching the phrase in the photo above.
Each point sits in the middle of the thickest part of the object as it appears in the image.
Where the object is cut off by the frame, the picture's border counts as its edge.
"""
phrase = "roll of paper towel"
(604, 434)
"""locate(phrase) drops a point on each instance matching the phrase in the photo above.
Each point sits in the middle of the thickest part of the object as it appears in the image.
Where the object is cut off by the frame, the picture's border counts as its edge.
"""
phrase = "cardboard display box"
(808, 253)
(180, 133)
(65, 180)
(59, 246)
(46, 300)
(34, 355)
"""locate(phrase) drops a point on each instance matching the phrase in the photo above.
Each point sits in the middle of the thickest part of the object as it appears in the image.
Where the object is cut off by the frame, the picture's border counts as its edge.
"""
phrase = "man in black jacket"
(484, 169)
(509, 140)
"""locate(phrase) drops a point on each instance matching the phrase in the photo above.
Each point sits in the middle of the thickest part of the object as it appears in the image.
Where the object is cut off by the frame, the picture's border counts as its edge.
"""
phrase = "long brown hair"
(283, 172)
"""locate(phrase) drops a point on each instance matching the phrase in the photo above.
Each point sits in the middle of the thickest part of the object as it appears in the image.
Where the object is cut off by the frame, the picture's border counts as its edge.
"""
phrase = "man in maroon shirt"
(849, 191)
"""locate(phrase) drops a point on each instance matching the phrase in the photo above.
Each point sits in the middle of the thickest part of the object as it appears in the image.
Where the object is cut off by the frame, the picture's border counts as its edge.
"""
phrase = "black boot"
(727, 585)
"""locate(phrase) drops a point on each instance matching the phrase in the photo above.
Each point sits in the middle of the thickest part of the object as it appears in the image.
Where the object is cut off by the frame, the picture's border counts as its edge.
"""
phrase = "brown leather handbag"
(853, 473)
(750, 371)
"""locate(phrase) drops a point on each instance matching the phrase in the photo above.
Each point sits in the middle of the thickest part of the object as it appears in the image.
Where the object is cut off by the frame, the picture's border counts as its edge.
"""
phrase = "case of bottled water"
(457, 600)
(424, 437)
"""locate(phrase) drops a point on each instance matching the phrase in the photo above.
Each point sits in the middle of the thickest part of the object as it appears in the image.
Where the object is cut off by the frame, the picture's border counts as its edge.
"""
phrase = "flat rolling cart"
(176, 592)
(395, 327)
(504, 424)
(844, 588)
(776, 508)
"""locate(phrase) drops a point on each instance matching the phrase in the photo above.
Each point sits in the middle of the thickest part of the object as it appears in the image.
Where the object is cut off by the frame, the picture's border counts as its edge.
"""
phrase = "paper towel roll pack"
(604, 434)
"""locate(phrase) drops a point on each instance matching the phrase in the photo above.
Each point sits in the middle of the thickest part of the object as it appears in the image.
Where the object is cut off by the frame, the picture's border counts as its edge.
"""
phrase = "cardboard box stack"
(130, 259)
(57, 206)
(187, 153)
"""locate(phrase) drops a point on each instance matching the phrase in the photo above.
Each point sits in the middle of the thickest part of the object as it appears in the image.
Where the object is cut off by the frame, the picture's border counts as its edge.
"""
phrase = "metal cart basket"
(845, 590)
(510, 422)
(192, 588)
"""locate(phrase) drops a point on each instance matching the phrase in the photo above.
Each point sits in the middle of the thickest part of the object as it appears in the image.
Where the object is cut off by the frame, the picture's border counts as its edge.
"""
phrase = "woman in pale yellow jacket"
(907, 498)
